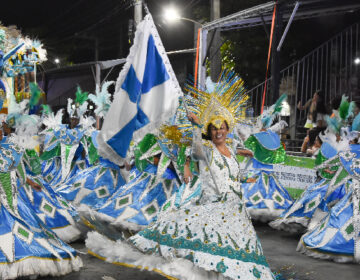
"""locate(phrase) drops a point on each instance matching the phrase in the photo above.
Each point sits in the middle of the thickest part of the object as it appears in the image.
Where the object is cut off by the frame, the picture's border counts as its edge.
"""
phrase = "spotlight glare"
(171, 14)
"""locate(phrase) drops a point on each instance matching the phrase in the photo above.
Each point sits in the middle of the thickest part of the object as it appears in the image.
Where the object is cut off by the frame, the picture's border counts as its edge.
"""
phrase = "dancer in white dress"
(213, 233)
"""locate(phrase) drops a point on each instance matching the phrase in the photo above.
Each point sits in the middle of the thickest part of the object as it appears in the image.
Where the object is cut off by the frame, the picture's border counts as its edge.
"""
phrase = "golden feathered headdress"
(225, 100)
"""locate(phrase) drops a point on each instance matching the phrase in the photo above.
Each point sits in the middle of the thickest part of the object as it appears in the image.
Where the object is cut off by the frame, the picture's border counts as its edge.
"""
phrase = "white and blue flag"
(146, 94)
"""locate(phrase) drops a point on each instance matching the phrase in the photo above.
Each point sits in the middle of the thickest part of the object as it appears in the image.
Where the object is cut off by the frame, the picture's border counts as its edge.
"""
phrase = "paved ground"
(279, 248)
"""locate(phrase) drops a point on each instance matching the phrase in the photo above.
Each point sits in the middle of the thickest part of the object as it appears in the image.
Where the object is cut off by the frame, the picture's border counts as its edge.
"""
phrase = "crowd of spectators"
(316, 120)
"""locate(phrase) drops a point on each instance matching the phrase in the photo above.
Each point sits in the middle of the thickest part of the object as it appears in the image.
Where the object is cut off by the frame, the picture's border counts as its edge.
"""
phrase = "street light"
(172, 15)
(357, 60)
(57, 62)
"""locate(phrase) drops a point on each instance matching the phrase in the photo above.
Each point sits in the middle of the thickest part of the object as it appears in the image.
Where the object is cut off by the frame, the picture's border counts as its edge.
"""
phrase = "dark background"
(69, 28)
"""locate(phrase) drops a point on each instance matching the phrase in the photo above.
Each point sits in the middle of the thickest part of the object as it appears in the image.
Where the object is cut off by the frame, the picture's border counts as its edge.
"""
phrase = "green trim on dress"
(264, 155)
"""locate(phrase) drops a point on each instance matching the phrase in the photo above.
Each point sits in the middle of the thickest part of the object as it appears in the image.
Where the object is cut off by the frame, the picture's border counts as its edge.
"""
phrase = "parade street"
(279, 248)
(180, 140)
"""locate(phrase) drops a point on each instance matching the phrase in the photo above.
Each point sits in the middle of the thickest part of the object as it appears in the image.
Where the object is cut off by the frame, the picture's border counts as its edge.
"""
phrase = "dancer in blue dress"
(337, 235)
(265, 197)
(152, 182)
(92, 186)
(316, 201)
(28, 247)
(52, 209)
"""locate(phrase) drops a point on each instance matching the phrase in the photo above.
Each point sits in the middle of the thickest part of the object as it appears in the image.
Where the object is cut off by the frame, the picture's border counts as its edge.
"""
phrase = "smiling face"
(218, 135)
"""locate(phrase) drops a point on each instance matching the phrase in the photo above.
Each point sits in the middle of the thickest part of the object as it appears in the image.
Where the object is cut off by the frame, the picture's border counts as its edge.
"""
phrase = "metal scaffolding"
(262, 14)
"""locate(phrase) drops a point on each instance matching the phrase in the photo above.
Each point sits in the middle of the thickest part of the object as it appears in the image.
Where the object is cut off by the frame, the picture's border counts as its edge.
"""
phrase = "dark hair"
(208, 131)
(335, 102)
(321, 107)
(313, 133)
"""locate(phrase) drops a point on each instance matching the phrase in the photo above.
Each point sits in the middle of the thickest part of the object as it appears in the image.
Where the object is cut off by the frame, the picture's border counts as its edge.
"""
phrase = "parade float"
(19, 57)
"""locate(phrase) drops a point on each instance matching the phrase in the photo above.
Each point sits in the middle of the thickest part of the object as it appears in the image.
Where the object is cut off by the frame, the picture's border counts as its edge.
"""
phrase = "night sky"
(68, 28)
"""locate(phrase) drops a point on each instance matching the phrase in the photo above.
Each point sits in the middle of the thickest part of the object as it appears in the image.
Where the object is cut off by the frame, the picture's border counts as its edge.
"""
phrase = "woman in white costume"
(211, 236)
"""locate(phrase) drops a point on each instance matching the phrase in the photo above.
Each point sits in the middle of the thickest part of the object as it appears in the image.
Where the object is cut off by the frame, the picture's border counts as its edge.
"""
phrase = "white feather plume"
(52, 121)
(348, 134)
(30, 43)
(24, 141)
(17, 108)
(29, 120)
(70, 110)
(102, 99)
(40, 50)
(87, 123)
(59, 116)
(341, 144)
(26, 134)
(278, 126)
(244, 131)
(83, 108)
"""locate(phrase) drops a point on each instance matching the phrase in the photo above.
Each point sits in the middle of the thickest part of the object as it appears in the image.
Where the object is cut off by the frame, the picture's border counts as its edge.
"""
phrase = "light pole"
(172, 15)
(215, 54)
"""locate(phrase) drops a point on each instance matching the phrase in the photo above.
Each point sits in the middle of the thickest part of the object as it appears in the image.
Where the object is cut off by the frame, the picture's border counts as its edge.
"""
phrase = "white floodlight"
(171, 14)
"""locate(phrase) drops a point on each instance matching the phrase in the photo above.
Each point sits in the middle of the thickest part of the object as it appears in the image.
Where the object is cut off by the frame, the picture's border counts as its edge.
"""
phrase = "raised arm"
(307, 104)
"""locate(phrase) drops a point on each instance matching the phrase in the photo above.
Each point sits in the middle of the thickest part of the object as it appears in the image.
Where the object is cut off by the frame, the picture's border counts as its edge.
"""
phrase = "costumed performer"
(28, 247)
(210, 237)
(265, 197)
(316, 201)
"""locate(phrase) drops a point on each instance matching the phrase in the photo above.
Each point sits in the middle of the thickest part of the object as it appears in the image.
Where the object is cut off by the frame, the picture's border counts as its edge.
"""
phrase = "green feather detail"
(344, 108)
(35, 95)
(46, 110)
(278, 103)
(81, 96)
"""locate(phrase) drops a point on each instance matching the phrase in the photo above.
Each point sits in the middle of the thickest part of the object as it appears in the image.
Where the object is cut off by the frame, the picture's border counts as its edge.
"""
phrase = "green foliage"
(227, 55)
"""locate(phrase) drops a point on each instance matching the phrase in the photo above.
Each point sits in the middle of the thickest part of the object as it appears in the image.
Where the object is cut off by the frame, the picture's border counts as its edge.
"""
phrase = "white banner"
(295, 177)
(289, 176)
